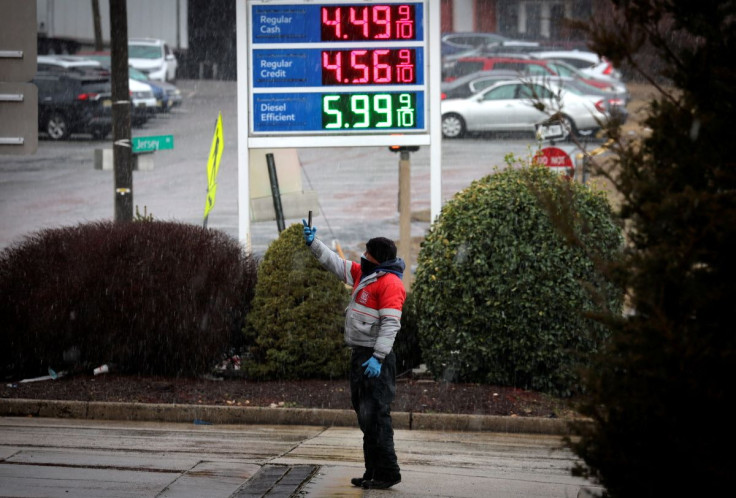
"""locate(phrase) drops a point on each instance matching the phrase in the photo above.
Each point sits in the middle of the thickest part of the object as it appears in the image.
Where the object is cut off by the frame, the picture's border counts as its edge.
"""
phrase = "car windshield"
(144, 52)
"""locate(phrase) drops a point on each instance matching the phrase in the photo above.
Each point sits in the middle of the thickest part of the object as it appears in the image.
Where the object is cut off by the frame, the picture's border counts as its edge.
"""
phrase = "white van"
(152, 57)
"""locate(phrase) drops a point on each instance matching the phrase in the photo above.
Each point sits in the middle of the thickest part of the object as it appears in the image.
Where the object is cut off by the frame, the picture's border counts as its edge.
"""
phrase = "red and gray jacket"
(373, 317)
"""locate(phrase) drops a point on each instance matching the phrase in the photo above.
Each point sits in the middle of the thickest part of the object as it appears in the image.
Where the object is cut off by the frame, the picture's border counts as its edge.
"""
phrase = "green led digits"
(369, 110)
(330, 111)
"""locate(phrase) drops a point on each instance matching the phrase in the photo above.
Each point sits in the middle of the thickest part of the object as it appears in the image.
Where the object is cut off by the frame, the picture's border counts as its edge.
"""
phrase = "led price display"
(369, 110)
(368, 22)
(338, 68)
(369, 67)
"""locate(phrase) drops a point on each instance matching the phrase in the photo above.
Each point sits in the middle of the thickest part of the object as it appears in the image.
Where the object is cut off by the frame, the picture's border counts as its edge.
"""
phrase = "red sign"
(556, 159)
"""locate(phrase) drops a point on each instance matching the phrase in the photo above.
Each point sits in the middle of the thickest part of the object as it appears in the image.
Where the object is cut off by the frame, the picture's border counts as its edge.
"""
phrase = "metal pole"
(275, 193)
(121, 150)
(405, 215)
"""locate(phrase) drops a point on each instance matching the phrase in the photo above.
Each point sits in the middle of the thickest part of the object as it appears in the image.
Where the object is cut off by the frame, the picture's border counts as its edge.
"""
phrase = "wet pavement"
(357, 187)
(84, 458)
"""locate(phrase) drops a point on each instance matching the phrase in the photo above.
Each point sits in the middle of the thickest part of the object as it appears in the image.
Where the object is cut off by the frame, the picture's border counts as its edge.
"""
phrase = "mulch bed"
(412, 395)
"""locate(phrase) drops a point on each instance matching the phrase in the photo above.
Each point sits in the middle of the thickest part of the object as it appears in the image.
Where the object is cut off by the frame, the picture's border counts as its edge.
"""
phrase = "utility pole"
(121, 150)
(405, 209)
(97, 25)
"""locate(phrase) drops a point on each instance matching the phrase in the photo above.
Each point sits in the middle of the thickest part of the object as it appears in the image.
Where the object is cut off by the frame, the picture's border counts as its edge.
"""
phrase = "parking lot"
(357, 187)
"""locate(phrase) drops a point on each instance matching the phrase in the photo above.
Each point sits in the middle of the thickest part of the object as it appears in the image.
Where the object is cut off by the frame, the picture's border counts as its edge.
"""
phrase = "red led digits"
(369, 67)
(368, 22)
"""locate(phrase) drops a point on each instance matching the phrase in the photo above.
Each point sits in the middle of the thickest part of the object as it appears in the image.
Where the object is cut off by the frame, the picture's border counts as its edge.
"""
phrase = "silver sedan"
(523, 105)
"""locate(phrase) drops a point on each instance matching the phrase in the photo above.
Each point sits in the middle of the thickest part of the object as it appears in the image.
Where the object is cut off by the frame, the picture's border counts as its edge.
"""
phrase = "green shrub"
(500, 295)
(295, 328)
(150, 298)
(406, 346)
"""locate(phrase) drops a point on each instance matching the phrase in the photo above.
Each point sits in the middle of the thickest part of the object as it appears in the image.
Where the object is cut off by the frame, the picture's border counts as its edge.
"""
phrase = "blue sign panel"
(339, 112)
(348, 68)
(318, 23)
(321, 67)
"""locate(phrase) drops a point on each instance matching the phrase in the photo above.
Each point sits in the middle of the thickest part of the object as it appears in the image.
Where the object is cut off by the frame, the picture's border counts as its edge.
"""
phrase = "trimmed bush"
(500, 295)
(150, 298)
(406, 346)
(295, 328)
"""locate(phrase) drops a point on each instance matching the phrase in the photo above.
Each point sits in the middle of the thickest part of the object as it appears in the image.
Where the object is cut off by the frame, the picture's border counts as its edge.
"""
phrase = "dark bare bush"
(151, 298)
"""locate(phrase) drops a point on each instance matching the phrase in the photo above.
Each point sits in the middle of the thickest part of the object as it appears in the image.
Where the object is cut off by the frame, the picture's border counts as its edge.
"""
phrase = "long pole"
(275, 193)
(405, 215)
(121, 150)
(97, 25)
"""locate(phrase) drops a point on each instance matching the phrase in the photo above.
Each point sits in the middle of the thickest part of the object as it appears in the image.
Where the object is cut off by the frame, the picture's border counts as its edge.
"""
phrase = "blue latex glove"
(373, 367)
(309, 233)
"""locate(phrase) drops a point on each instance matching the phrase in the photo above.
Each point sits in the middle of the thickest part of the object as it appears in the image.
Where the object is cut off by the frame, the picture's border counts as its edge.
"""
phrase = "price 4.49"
(368, 110)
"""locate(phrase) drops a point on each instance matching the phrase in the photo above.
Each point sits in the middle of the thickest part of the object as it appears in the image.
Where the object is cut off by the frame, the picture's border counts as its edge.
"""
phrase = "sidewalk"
(56, 457)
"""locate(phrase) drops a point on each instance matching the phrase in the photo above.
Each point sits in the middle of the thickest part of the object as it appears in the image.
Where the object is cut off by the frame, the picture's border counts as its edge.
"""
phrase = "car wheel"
(453, 126)
(57, 126)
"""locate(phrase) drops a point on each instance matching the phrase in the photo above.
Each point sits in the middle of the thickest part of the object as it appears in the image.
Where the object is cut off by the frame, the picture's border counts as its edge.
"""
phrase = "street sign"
(151, 144)
(556, 160)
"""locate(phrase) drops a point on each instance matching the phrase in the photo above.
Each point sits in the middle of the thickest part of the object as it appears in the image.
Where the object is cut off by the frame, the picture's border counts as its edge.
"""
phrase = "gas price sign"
(337, 68)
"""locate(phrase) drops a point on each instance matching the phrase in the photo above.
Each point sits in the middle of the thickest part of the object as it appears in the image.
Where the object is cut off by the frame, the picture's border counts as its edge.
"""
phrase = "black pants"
(371, 400)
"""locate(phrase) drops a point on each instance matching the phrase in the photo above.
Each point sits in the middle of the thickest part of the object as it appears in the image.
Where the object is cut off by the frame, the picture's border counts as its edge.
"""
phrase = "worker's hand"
(372, 367)
(309, 233)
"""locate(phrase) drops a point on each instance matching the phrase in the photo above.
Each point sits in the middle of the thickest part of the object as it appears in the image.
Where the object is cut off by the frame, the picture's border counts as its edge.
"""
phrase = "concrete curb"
(211, 414)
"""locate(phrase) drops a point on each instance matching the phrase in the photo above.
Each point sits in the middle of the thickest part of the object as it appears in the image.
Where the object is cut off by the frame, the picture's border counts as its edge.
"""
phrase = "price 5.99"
(369, 110)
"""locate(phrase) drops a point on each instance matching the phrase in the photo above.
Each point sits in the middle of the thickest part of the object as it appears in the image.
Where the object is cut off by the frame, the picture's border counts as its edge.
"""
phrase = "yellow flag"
(213, 166)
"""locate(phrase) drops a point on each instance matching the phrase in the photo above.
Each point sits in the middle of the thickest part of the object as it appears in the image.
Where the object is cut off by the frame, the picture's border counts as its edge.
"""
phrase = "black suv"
(73, 103)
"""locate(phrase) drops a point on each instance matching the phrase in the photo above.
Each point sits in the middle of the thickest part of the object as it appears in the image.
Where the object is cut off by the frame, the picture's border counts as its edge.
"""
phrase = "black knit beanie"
(381, 248)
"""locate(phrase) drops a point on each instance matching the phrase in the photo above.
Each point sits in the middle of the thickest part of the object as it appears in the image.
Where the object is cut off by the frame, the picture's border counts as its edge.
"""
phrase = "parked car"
(512, 106)
(452, 43)
(153, 57)
(615, 102)
(166, 94)
(143, 102)
(588, 63)
(475, 82)
(529, 66)
(519, 64)
(73, 103)
(563, 68)
(506, 47)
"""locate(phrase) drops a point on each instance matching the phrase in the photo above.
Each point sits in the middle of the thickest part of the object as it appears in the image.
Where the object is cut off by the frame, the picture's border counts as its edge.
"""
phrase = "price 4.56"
(369, 110)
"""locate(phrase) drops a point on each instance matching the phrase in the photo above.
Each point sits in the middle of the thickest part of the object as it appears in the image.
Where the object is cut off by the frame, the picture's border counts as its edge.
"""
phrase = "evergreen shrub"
(149, 298)
(295, 329)
(500, 295)
(406, 346)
